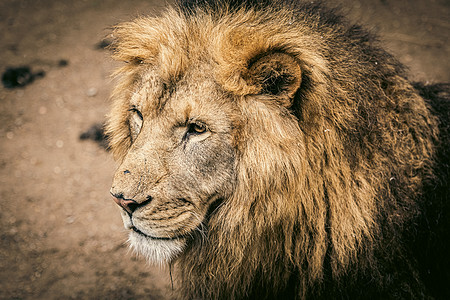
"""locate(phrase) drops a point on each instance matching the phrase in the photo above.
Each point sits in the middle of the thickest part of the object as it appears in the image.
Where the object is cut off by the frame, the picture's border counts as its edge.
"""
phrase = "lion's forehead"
(196, 95)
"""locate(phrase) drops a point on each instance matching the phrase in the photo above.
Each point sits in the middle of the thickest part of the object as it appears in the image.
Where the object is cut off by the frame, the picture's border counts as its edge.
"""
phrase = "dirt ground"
(61, 234)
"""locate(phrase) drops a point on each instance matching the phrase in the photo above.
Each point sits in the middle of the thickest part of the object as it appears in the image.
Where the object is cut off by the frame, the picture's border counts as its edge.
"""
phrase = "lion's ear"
(276, 74)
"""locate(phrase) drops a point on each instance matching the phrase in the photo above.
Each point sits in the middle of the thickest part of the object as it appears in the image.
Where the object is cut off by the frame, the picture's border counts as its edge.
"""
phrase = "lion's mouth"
(215, 204)
(155, 237)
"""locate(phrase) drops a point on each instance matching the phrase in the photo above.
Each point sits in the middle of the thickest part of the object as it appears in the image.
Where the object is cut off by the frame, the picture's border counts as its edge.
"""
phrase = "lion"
(272, 150)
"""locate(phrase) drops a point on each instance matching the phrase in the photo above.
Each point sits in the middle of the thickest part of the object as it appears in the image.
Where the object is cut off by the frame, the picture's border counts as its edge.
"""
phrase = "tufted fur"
(333, 160)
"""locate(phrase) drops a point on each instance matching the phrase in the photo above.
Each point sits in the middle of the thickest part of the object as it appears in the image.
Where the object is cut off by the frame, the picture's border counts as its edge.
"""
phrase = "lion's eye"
(195, 128)
(136, 119)
(133, 109)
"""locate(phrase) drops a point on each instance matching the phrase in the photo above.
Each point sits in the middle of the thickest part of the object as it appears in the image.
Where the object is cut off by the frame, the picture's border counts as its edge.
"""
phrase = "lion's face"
(181, 160)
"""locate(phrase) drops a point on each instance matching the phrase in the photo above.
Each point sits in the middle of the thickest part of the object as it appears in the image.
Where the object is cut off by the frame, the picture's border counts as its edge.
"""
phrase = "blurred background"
(61, 233)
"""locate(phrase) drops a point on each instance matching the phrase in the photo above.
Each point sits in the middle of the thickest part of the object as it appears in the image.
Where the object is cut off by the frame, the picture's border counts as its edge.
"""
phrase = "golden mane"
(322, 182)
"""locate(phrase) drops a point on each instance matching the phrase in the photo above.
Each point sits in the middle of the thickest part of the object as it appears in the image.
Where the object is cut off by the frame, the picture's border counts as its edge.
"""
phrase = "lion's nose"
(127, 204)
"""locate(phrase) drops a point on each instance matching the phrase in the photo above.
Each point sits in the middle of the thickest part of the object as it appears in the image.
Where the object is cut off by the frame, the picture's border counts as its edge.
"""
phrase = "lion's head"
(252, 149)
(181, 158)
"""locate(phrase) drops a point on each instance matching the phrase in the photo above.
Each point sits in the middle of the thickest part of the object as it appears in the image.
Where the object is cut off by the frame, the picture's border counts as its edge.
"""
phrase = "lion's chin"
(157, 251)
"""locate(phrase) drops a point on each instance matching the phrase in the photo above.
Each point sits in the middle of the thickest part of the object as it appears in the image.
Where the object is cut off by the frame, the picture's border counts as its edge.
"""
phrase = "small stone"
(42, 110)
(59, 144)
(63, 62)
(92, 92)
(17, 77)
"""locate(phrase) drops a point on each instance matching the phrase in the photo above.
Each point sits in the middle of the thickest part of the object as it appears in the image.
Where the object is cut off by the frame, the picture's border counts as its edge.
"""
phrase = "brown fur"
(310, 172)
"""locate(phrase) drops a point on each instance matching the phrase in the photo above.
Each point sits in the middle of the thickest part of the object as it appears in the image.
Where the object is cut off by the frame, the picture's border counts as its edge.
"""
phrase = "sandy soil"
(61, 234)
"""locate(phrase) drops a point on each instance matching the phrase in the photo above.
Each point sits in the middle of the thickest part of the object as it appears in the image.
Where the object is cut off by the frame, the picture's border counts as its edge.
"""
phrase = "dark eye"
(195, 128)
(137, 61)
